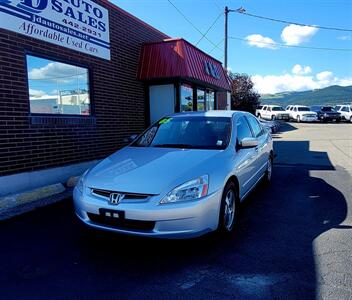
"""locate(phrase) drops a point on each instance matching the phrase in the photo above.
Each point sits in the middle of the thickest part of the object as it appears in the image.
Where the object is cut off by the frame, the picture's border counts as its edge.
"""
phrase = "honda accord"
(185, 176)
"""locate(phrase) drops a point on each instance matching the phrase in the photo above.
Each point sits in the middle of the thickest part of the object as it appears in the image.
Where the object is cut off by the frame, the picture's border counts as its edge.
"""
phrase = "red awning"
(177, 58)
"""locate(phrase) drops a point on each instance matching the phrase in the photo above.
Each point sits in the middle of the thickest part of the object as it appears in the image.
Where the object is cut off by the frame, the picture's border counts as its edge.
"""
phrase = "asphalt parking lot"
(294, 240)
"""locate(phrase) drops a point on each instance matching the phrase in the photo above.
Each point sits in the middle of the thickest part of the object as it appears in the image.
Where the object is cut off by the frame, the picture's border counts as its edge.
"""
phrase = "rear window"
(277, 108)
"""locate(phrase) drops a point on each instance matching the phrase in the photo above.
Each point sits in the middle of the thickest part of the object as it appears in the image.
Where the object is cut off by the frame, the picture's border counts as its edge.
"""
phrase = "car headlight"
(80, 182)
(191, 190)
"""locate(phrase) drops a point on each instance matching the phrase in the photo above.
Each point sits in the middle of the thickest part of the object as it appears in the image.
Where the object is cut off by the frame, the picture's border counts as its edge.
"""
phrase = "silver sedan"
(183, 177)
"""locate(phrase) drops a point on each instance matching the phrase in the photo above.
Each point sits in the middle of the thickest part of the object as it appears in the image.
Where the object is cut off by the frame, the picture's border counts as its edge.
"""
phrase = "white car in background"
(345, 111)
(273, 112)
(301, 113)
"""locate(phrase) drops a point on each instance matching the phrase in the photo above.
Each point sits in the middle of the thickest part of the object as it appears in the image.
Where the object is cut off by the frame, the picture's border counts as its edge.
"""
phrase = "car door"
(266, 112)
(245, 159)
(262, 149)
(345, 112)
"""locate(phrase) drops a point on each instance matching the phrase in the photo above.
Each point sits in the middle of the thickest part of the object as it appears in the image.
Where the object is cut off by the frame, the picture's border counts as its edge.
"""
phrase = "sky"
(273, 68)
(47, 78)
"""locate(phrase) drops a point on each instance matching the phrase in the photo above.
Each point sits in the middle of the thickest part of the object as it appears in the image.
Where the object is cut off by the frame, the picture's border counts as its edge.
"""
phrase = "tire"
(269, 171)
(351, 119)
(228, 220)
(298, 119)
(338, 120)
(273, 118)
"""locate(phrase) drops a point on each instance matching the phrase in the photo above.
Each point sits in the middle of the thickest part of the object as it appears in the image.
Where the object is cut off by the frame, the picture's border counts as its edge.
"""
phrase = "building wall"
(30, 143)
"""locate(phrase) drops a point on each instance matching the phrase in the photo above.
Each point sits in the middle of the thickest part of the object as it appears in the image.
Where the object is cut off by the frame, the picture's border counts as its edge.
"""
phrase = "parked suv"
(257, 111)
(326, 113)
(301, 113)
(345, 111)
(273, 112)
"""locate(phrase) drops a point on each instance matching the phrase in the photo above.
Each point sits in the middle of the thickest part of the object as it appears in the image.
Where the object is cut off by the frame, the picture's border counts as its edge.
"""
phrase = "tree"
(243, 95)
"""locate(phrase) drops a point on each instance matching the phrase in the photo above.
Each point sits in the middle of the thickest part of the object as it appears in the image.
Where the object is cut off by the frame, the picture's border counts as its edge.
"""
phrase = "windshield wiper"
(182, 146)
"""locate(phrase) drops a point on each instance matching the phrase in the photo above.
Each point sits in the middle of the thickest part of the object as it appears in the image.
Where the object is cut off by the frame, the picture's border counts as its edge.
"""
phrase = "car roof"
(210, 113)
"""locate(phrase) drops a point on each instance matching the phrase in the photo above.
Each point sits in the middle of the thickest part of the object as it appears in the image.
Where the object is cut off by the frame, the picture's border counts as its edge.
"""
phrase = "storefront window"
(186, 98)
(210, 100)
(57, 88)
(200, 100)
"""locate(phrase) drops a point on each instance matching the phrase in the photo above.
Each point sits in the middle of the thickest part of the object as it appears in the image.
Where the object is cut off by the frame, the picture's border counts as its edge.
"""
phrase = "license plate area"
(111, 214)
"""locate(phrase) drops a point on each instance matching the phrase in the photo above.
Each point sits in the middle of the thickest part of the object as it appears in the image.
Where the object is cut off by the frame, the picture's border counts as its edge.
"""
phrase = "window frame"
(261, 132)
(68, 62)
(236, 126)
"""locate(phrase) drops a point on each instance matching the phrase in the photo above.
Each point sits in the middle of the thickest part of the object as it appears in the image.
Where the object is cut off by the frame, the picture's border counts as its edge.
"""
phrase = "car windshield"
(303, 109)
(187, 133)
(277, 108)
(327, 108)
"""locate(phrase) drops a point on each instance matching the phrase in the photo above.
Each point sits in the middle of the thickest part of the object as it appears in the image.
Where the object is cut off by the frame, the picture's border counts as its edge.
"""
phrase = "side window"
(295, 108)
(243, 129)
(264, 108)
(256, 127)
(345, 108)
(269, 108)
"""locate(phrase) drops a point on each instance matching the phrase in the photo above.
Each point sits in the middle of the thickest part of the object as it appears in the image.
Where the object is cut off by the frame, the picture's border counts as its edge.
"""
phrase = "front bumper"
(175, 220)
(282, 117)
(308, 119)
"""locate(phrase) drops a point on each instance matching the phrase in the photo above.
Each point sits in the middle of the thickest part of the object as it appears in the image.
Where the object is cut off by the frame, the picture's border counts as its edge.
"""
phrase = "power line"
(292, 46)
(222, 40)
(211, 26)
(194, 26)
(59, 77)
(294, 23)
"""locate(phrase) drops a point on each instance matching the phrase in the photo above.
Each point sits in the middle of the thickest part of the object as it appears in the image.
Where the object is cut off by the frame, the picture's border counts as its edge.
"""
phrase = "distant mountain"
(331, 95)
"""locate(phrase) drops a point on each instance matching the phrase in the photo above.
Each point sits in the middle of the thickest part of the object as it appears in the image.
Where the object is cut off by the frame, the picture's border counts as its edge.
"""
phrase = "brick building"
(63, 107)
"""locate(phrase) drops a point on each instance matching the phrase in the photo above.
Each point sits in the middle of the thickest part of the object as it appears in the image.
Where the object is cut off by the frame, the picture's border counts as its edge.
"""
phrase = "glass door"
(200, 100)
(186, 101)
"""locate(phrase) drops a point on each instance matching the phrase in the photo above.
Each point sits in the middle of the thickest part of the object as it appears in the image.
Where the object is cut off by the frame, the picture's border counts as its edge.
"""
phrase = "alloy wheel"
(229, 210)
(269, 170)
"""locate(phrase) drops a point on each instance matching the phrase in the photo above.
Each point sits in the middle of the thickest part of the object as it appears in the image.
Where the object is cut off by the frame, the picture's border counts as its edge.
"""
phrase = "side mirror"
(249, 142)
(130, 139)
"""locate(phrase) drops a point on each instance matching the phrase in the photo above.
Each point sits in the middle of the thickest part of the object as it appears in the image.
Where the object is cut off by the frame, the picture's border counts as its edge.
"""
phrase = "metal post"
(226, 36)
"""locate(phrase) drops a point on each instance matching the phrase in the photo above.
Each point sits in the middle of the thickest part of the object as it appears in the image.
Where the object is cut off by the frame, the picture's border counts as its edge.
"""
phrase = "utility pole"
(227, 11)
(226, 36)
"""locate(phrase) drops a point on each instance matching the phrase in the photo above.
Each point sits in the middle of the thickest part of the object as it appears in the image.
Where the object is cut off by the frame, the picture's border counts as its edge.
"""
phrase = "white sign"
(80, 25)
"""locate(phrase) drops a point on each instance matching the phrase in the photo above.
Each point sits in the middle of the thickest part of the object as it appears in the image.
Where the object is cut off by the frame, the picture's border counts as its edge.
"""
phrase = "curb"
(34, 204)
(16, 204)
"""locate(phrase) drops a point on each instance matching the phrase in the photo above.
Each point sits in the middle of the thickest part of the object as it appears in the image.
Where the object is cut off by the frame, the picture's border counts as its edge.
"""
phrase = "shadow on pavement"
(45, 254)
(285, 126)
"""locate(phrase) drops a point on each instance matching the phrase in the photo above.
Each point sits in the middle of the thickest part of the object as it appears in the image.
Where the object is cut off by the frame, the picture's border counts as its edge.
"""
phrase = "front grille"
(124, 224)
(106, 194)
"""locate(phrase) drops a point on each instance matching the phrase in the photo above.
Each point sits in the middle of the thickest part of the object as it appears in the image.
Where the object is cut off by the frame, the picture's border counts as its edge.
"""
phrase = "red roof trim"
(182, 39)
(177, 58)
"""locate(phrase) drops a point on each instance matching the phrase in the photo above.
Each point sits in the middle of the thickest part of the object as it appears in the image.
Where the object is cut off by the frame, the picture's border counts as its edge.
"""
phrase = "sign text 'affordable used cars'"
(80, 25)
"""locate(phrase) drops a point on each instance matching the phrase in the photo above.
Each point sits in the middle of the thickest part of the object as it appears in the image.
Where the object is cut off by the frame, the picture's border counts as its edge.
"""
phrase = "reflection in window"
(210, 100)
(186, 98)
(200, 100)
(57, 88)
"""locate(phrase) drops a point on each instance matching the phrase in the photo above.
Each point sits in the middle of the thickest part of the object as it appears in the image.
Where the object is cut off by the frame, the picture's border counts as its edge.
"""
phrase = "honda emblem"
(115, 198)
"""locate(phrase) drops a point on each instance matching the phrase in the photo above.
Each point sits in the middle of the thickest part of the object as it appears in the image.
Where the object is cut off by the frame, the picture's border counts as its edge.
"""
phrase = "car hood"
(148, 170)
(330, 112)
